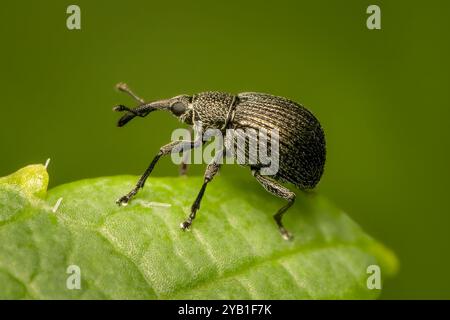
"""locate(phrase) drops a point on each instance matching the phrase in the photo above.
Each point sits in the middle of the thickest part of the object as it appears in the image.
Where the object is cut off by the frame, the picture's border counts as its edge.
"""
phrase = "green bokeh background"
(382, 96)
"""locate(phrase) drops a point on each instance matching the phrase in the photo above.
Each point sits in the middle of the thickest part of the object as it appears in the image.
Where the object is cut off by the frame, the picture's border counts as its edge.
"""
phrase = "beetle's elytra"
(301, 138)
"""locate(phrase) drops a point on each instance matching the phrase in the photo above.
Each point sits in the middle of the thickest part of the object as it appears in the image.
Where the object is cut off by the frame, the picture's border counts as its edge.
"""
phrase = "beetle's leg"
(175, 146)
(124, 88)
(210, 172)
(184, 165)
(277, 189)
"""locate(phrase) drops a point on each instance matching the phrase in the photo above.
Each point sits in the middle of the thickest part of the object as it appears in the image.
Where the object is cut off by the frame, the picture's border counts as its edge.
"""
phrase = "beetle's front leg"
(175, 146)
(210, 172)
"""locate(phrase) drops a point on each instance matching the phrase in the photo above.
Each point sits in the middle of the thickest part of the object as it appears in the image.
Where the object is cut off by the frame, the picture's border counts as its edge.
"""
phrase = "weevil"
(301, 153)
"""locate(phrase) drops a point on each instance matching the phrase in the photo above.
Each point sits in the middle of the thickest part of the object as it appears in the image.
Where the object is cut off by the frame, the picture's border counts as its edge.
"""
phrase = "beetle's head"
(180, 106)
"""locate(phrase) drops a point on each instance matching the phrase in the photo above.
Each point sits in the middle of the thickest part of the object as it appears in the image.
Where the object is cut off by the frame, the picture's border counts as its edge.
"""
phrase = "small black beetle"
(301, 146)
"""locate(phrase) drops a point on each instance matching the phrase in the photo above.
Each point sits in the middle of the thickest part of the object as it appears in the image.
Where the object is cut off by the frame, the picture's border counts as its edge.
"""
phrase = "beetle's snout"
(120, 108)
(140, 111)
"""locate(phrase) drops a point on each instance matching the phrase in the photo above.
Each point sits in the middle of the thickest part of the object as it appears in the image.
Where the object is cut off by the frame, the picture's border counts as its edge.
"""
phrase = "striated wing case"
(302, 141)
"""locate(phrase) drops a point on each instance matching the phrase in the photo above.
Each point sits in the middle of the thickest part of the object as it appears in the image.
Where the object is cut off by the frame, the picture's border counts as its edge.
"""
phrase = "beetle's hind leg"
(278, 190)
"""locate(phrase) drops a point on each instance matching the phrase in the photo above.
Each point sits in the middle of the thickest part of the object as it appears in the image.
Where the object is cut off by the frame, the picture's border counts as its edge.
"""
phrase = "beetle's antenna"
(124, 88)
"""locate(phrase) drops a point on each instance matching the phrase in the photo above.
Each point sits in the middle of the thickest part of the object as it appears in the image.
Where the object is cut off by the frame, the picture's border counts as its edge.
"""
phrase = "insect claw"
(286, 235)
(186, 224)
(123, 201)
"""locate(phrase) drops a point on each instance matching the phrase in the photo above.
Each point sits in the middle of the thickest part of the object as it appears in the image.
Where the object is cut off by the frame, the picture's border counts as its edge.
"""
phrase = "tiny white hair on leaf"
(57, 204)
(47, 162)
(149, 204)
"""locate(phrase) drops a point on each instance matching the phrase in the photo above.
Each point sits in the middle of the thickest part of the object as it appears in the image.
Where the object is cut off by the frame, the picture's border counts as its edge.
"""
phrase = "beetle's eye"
(178, 108)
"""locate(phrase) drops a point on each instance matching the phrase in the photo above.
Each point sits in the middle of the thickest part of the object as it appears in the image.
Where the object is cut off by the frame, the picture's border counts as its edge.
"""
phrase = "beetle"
(302, 150)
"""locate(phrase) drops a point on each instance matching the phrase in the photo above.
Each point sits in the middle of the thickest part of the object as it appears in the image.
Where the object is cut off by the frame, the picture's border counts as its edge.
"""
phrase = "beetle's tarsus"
(123, 201)
(186, 224)
(285, 234)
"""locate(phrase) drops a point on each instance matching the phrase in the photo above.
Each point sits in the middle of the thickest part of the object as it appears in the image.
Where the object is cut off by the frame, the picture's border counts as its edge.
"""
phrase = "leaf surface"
(233, 250)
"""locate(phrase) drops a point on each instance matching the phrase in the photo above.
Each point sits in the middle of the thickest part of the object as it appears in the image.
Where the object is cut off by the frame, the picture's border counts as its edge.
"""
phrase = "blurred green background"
(382, 96)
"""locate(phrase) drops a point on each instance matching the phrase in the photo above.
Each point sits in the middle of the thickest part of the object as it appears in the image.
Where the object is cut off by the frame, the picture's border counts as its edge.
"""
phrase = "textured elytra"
(302, 150)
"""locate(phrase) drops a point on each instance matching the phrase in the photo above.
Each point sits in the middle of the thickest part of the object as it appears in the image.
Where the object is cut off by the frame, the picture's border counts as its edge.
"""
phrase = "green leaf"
(233, 249)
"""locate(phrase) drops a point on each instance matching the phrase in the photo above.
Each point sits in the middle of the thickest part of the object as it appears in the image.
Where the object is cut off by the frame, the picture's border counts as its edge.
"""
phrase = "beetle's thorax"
(212, 108)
